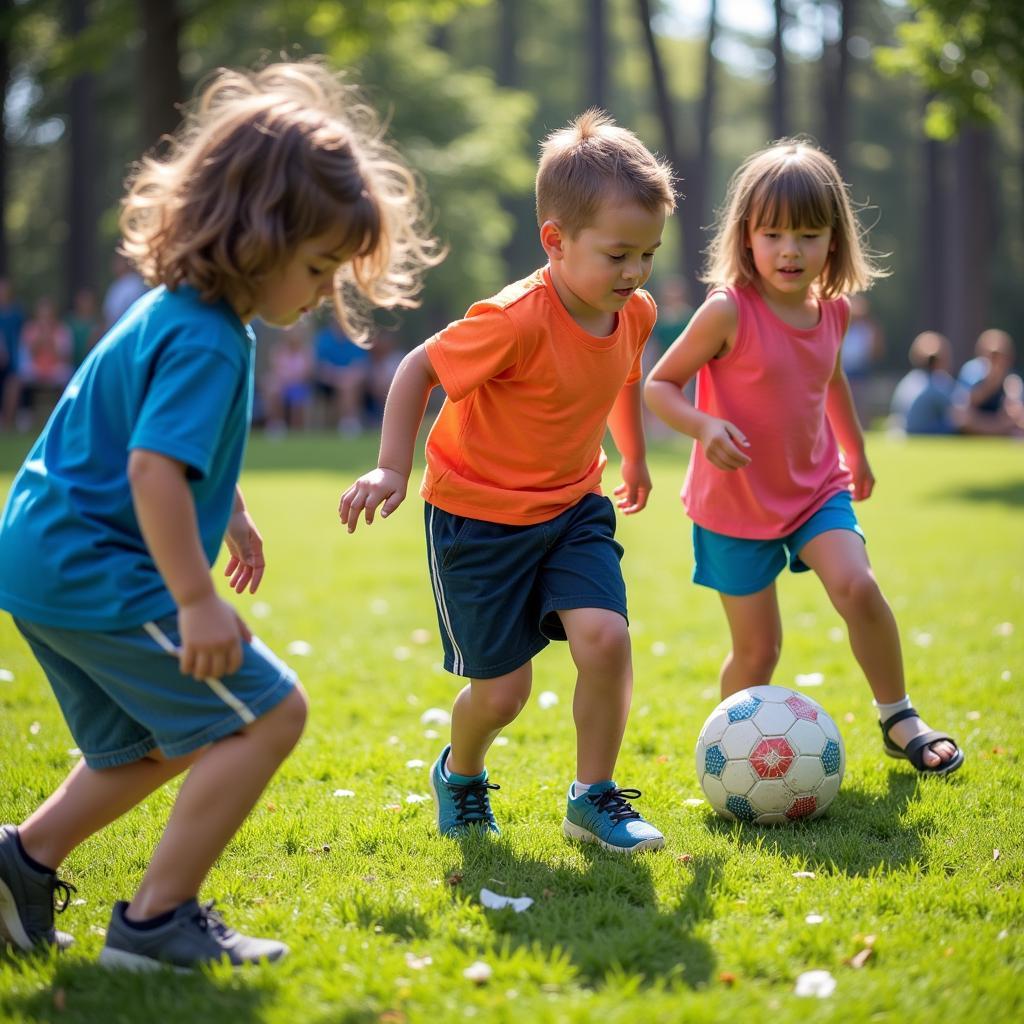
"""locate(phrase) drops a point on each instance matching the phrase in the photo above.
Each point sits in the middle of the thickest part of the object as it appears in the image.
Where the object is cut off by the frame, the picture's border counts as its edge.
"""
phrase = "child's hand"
(211, 638)
(634, 489)
(719, 439)
(245, 545)
(863, 478)
(379, 485)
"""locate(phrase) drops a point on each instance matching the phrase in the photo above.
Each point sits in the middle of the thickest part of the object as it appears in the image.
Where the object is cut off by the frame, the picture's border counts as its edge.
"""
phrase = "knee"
(504, 702)
(287, 721)
(603, 641)
(757, 658)
(860, 596)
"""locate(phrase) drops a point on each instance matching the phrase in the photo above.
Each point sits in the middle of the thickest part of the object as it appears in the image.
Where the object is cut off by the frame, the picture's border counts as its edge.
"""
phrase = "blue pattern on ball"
(830, 757)
(714, 761)
(740, 806)
(744, 709)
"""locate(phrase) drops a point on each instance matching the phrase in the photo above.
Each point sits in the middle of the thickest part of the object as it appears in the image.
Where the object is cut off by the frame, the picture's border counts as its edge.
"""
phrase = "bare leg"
(216, 797)
(89, 799)
(755, 627)
(481, 711)
(841, 562)
(600, 647)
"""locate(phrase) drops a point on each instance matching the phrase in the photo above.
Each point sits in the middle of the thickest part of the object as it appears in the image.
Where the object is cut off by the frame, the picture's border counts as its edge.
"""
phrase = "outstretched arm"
(211, 631)
(843, 417)
(386, 485)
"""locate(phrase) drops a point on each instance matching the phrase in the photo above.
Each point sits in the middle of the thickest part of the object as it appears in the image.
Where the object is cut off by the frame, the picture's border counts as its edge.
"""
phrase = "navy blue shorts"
(740, 566)
(498, 589)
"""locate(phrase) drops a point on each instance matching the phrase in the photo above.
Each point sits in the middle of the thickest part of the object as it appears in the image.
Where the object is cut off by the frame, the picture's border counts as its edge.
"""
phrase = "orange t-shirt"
(518, 439)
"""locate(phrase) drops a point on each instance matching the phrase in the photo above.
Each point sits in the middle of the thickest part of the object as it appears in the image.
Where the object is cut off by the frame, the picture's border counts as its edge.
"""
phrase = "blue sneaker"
(463, 803)
(28, 899)
(603, 815)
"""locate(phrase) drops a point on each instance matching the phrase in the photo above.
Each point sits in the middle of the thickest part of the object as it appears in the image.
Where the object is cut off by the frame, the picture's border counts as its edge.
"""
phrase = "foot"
(195, 935)
(28, 898)
(603, 815)
(461, 804)
(903, 734)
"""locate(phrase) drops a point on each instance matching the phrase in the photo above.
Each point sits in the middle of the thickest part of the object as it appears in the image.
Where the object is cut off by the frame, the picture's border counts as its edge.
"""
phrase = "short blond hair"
(790, 184)
(591, 161)
(262, 162)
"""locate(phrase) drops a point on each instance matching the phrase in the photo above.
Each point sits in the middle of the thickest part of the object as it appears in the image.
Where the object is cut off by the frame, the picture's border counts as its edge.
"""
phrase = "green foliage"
(926, 874)
(963, 54)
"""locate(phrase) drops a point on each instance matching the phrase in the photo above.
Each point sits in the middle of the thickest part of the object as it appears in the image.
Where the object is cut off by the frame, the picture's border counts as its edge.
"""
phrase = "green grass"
(711, 928)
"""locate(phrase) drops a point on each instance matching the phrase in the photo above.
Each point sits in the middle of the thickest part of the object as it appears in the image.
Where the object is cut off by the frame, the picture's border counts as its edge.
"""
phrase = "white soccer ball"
(770, 755)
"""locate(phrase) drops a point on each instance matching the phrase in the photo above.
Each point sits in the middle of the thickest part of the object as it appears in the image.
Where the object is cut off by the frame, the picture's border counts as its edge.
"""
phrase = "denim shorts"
(740, 566)
(498, 589)
(122, 694)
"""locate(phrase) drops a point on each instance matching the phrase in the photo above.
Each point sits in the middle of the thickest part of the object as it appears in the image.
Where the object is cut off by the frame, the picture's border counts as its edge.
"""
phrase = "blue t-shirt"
(334, 349)
(173, 376)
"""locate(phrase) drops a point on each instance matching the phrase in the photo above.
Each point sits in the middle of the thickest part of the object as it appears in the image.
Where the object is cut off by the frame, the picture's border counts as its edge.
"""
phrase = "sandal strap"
(900, 716)
(914, 750)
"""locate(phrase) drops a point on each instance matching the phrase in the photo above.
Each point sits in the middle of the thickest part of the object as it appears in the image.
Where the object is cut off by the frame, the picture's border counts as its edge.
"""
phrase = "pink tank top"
(772, 384)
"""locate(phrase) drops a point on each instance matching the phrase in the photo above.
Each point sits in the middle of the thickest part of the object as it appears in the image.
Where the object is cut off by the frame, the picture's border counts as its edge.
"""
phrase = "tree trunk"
(160, 82)
(82, 169)
(930, 268)
(6, 25)
(779, 119)
(836, 74)
(596, 36)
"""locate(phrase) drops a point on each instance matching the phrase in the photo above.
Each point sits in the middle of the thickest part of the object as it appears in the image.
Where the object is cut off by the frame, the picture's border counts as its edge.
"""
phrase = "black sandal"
(914, 750)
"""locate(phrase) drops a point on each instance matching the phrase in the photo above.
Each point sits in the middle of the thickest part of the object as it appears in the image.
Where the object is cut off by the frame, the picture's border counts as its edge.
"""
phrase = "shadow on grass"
(1003, 492)
(84, 992)
(604, 917)
(860, 835)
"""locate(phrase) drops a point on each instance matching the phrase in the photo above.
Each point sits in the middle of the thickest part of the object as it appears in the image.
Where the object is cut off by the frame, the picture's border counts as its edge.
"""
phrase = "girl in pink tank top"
(779, 450)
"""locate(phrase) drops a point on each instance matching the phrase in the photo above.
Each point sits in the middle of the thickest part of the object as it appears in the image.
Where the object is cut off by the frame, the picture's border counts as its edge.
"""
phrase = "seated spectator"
(923, 402)
(384, 359)
(44, 360)
(12, 320)
(84, 323)
(863, 349)
(287, 384)
(341, 376)
(992, 401)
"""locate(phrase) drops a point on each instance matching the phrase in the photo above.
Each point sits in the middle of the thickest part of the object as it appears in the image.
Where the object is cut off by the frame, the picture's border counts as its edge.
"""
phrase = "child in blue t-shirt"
(267, 203)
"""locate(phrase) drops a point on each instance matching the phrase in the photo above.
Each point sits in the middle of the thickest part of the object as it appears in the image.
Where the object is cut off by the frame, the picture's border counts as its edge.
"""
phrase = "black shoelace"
(65, 889)
(616, 803)
(210, 920)
(473, 803)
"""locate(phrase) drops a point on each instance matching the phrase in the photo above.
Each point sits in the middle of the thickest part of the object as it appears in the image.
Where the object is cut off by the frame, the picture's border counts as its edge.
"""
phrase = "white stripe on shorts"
(241, 709)
(435, 579)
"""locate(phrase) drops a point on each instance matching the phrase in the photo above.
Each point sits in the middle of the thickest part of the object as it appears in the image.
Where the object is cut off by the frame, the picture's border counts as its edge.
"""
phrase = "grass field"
(383, 916)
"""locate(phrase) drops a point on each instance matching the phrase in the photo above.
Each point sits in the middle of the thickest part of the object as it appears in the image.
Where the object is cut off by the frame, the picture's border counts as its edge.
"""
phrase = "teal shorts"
(739, 566)
(123, 696)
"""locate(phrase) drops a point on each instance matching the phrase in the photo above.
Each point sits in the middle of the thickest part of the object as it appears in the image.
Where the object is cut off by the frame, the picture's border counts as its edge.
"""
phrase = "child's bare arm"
(843, 416)
(211, 631)
(626, 423)
(386, 485)
(244, 541)
(709, 333)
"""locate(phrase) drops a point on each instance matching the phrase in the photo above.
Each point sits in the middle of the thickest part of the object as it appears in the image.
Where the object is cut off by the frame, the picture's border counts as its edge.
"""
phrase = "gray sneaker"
(195, 935)
(28, 899)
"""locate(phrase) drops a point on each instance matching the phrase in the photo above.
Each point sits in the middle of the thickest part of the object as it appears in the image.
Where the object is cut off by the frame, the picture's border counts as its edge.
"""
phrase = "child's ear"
(551, 239)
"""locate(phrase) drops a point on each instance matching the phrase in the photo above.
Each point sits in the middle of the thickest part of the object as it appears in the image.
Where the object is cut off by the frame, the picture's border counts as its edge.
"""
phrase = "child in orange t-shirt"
(520, 542)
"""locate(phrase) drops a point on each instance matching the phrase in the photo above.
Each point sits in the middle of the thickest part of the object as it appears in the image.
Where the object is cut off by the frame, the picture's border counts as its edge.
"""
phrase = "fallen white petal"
(836, 635)
(379, 606)
(415, 763)
(804, 874)
(495, 901)
(344, 792)
(393, 741)
(923, 639)
(402, 654)
(814, 919)
(416, 798)
(548, 699)
(973, 716)
(1004, 629)
(6, 675)
(433, 734)
(658, 648)
(501, 741)
(259, 610)
(435, 716)
(300, 648)
(74, 752)
(478, 971)
(1006, 675)
(815, 983)
(810, 679)
(34, 728)
(417, 963)
(421, 636)
(693, 801)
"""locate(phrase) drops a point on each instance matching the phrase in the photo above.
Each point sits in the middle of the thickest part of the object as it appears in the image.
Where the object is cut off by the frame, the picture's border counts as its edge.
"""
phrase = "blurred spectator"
(674, 313)
(341, 377)
(124, 289)
(288, 382)
(384, 359)
(862, 350)
(12, 320)
(84, 323)
(992, 401)
(923, 402)
(44, 363)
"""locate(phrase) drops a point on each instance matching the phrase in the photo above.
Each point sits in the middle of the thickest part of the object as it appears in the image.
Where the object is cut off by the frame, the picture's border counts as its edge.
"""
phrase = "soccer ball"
(768, 755)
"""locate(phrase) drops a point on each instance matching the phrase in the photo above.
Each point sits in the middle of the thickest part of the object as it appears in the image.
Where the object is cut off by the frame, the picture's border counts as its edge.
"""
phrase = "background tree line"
(920, 102)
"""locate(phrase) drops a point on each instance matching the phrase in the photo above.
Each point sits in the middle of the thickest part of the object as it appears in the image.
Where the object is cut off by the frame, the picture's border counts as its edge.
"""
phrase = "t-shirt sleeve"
(644, 327)
(187, 404)
(471, 351)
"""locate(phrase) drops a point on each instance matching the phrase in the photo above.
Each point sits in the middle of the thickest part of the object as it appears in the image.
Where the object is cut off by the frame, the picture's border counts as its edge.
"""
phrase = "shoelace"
(472, 801)
(65, 889)
(210, 919)
(616, 803)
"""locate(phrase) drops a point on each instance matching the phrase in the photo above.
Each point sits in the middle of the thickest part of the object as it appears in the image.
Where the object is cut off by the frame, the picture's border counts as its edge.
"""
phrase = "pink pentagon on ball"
(771, 758)
(801, 807)
(801, 709)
